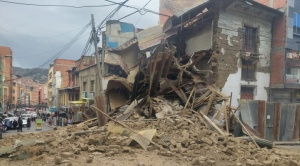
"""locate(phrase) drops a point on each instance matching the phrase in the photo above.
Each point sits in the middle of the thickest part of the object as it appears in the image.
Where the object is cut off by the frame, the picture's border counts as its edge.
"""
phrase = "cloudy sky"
(36, 34)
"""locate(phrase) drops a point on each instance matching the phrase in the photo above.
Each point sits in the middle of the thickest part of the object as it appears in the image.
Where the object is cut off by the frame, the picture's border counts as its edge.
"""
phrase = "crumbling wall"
(228, 51)
(200, 40)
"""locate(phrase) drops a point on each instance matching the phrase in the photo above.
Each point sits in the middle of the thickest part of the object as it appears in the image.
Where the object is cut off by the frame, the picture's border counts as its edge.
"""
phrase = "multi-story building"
(6, 77)
(58, 77)
(26, 92)
(239, 33)
(285, 55)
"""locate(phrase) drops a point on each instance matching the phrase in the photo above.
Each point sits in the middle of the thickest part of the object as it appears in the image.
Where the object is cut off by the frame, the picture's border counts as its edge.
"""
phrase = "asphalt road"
(25, 130)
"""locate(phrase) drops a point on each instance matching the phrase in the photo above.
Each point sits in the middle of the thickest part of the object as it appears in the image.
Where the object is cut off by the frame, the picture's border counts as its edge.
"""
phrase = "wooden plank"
(224, 109)
(211, 123)
(186, 104)
(244, 128)
(100, 103)
(297, 124)
(215, 90)
(178, 92)
(160, 70)
(152, 73)
(210, 101)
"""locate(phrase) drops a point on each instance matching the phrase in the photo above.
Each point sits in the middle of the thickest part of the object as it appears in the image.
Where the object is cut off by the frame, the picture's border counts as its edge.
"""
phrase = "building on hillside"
(58, 78)
(237, 37)
(6, 87)
(26, 92)
(285, 56)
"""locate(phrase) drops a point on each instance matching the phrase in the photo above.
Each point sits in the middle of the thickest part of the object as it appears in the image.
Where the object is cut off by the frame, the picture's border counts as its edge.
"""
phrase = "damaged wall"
(200, 40)
(229, 44)
(117, 33)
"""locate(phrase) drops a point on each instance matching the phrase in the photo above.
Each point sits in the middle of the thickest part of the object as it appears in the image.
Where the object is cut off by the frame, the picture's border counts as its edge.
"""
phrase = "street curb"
(48, 125)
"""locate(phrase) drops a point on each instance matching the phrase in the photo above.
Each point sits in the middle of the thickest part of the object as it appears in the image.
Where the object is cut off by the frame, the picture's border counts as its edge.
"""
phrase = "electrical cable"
(67, 6)
(63, 50)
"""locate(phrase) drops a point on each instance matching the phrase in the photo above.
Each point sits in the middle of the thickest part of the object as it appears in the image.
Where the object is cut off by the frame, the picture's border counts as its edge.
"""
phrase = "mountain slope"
(39, 75)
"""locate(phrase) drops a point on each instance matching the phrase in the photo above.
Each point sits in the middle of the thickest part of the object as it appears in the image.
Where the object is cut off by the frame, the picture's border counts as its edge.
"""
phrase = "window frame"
(296, 18)
(246, 91)
(250, 39)
(248, 71)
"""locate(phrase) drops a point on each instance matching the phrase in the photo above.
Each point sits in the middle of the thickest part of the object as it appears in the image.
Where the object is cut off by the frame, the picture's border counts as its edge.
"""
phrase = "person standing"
(20, 123)
(15, 124)
(28, 123)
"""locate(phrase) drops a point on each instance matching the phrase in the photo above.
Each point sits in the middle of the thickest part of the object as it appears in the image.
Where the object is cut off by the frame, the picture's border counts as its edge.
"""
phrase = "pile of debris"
(166, 105)
(184, 137)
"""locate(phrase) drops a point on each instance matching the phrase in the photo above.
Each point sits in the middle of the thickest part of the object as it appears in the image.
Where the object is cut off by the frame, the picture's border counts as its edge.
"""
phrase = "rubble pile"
(183, 137)
(168, 106)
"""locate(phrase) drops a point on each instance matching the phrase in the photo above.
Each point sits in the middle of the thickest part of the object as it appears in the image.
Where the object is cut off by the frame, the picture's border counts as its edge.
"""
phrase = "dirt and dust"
(183, 140)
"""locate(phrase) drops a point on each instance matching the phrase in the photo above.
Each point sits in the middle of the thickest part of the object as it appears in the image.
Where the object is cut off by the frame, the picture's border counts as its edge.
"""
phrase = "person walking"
(28, 123)
(15, 124)
(20, 123)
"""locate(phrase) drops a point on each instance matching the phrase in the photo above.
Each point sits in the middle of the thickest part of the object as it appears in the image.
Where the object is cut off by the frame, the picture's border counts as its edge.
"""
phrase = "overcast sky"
(35, 33)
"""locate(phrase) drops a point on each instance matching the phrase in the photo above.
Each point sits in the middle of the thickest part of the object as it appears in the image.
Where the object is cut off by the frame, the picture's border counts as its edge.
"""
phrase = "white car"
(24, 118)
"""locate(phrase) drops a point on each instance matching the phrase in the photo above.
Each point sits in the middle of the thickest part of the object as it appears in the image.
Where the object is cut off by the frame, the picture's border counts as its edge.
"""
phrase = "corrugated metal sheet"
(179, 7)
(276, 121)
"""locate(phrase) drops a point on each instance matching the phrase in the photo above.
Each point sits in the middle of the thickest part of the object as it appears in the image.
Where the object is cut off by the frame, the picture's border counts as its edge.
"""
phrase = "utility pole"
(100, 97)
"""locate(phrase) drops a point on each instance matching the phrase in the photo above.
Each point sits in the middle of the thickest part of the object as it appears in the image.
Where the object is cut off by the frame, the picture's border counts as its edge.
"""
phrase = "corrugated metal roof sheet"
(150, 37)
(179, 7)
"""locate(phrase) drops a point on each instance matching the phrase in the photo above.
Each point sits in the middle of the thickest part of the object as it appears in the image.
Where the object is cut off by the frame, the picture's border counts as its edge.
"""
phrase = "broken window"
(247, 92)
(248, 70)
(249, 39)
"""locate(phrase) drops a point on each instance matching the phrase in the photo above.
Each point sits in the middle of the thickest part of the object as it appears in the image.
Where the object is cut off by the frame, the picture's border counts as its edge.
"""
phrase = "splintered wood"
(167, 84)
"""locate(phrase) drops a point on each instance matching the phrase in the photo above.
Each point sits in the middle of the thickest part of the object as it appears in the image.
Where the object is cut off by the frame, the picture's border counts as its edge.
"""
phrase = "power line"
(141, 10)
(62, 51)
(42, 53)
(66, 6)
(41, 36)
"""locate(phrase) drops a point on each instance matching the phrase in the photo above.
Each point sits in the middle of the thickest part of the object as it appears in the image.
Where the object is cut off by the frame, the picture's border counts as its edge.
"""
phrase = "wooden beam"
(179, 93)
(210, 101)
(186, 104)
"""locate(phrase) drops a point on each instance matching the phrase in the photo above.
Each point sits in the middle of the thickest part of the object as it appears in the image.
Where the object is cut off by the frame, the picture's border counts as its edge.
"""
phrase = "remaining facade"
(6, 87)
(240, 34)
(285, 64)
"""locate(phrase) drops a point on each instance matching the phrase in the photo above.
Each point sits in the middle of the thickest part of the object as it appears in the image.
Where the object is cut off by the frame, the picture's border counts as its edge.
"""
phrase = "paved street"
(31, 130)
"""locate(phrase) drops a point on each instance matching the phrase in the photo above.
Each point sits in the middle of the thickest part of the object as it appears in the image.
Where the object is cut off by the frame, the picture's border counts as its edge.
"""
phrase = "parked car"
(9, 122)
(24, 118)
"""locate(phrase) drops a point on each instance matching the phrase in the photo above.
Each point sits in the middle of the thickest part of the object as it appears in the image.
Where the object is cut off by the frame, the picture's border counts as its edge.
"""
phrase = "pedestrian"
(28, 123)
(20, 123)
(15, 124)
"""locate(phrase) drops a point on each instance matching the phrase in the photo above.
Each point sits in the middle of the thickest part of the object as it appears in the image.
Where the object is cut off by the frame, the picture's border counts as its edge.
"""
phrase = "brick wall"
(63, 65)
(276, 4)
(163, 10)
